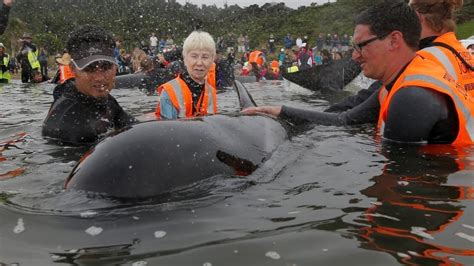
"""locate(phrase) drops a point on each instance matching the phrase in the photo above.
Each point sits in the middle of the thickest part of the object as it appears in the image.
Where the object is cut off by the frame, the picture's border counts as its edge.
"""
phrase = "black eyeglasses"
(99, 66)
(358, 46)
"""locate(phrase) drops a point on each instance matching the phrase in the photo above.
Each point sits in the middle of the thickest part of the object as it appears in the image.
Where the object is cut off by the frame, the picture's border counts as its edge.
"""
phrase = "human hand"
(269, 110)
(8, 2)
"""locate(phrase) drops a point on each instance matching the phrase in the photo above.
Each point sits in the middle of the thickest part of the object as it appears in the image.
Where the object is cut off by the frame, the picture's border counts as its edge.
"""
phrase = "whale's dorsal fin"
(245, 99)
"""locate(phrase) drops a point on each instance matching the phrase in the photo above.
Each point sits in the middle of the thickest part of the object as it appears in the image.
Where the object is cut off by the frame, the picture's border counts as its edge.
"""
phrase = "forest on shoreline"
(50, 21)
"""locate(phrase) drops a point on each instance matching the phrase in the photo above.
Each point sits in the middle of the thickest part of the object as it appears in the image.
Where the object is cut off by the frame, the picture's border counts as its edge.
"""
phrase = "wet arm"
(354, 100)
(366, 112)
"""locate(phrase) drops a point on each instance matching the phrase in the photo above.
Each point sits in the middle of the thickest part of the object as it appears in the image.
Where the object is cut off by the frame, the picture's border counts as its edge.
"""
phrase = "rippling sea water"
(329, 195)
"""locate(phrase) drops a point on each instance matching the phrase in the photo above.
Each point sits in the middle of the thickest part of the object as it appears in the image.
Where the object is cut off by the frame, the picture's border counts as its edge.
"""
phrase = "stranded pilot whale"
(155, 157)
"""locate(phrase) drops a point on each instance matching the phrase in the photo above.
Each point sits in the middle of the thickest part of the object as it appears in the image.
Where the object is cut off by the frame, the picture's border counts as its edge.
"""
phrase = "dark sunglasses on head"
(358, 46)
(99, 66)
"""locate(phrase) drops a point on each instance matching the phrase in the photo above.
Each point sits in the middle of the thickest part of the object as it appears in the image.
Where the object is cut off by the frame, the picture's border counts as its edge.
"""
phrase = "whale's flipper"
(327, 77)
(245, 99)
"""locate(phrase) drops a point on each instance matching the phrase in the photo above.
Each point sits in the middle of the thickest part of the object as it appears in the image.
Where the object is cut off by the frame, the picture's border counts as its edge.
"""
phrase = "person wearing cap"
(5, 71)
(28, 58)
(84, 111)
(4, 14)
(190, 94)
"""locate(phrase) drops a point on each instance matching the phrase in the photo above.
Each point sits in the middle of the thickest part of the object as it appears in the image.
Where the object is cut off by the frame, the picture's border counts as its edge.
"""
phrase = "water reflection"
(85, 256)
(417, 198)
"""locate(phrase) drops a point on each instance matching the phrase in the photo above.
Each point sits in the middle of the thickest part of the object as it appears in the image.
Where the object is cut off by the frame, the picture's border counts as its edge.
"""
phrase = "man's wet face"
(97, 79)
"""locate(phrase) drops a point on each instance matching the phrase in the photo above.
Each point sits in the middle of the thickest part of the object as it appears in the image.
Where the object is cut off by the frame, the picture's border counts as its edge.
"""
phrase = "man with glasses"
(84, 109)
(419, 101)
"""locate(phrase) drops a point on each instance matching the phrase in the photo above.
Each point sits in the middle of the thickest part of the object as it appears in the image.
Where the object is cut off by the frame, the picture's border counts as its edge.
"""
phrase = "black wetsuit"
(4, 14)
(416, 115)
(365, 112)
(77, 119)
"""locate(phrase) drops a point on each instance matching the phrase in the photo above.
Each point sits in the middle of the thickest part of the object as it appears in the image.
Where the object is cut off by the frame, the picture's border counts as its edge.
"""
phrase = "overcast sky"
(243, 3)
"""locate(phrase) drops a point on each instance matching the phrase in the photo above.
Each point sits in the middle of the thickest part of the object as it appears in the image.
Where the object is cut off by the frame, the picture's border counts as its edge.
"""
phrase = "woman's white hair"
(199, 40)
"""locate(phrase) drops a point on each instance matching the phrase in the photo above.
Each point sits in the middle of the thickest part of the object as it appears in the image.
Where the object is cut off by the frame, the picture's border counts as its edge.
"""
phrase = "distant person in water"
(4, 14)
(5, 70)
(84, 111)
(190, 94)
(28, 58)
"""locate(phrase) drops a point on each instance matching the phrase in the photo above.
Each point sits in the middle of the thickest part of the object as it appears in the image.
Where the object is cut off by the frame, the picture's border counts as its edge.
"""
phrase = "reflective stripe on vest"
(382, 98)
(179, 96)
(447, 51)
(459, 103)
(292, 69)
(210, 101)
(211, 75)
(206, 103)
(443, 59)
(438, 80)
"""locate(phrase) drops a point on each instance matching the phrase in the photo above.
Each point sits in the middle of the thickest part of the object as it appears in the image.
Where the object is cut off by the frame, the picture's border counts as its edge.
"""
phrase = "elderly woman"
(438, 40)
(190, 94)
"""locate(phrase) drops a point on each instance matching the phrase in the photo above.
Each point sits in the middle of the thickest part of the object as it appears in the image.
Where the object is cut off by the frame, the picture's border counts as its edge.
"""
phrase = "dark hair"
(388, 16)
(89, 35)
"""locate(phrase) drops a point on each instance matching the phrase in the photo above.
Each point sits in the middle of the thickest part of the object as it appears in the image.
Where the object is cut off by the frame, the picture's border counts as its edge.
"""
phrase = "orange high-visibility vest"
(275, 65)
(211, 76)
(439, 80)
(441, 54)
(256, 57)
(65, 73)
(181, 98)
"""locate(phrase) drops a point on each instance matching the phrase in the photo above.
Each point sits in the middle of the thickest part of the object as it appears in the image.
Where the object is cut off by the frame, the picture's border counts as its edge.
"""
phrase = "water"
(330, 195)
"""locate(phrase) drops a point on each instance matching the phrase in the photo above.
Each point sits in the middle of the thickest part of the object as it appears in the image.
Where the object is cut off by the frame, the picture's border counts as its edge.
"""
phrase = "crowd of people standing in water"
(422, 94)
(163, 52)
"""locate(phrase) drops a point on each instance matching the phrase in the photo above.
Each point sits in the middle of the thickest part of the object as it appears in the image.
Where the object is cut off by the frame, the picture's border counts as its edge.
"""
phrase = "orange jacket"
(211, 76)
(65, 73)
(256, 57)
(441, 54)
(275, 65)
(438, 80)
(180, 95)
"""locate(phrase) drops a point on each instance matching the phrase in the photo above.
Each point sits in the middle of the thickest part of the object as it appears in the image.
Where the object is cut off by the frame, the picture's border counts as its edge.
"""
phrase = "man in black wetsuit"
(416, 113)
(83, 109)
